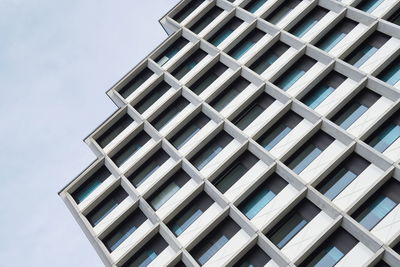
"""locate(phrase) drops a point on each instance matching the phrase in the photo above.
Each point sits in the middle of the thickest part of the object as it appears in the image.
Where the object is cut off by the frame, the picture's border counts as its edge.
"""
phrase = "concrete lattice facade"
(246, 96)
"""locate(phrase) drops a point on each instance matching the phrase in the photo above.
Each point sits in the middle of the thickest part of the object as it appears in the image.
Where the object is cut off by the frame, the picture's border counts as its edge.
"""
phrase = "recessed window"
(269, 57)
(342, 176)
(112, 132)
(378, 205)
(187, 9)
(152, 97)
(124, 229)
(254, 5)
(190, 213)
(382, 264)
(206, 19)
(168, 189)
(397, 248)
(282, 11)
(309, 21)
(208, 78)
(391, 74)
(334, 36)
(293, 223)
(211, 150)
(367, 49)
(136, 82)
(188, 64)
(308, 152)
(225, 31)
(91, 183)
(170, 112)
(148, 168)
(256, 257)
(279, 130)
(188, 131)
(332, 250)
(214, 241)
(263, 194)
(171, 51)
(353, 110)
(323, 89)
(229, 93)
(395, 18)
(246, 43)
(253, 110)
(386, 135)
(130, 148)
(369, 5)
(148, 252)
(235, 171)
(295, 72)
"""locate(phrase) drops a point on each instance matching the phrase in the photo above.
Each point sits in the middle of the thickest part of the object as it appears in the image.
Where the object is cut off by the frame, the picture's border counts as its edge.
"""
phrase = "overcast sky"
(57, 59)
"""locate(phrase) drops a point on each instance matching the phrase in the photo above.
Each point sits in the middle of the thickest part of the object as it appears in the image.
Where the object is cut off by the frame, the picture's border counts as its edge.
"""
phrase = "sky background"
(57, 59)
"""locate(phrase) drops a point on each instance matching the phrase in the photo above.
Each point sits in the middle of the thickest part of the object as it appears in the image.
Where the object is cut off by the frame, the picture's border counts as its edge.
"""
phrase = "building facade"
(261, 132)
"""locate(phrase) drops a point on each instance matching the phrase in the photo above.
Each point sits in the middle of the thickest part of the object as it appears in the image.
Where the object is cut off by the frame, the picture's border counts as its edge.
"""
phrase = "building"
(263, 132)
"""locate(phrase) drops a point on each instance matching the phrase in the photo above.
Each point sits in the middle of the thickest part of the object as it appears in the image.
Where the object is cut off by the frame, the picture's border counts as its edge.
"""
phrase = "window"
(382, 264)
(282, 11)
(205, 20)
(211, 150)
(391, 74)
(397, 248)
(309, 152)
(353, 110)
(188, 64)
(148, 168)
(190, 213)
(246, 43)
(342, 176)
(378, 205)
(187, 9)
(229, 93)
(369, 5)
(256, 257)
(112, 132)
(279, 130)
(323, 89)
(171, 51)
(252, 111)
(124, 229)
(295, 72)
(263, 194)
(168, 189)
(367, 49)
(386, 135)
(332, 250)
(152, 97)
(269, 57)
(148, 252)
(189, 130)
(292, 223)
(334, 36)
(208, 78)
(225, 31)
(254, 5)
(170, 112)
(235, 171)
(130, 148)
(214, 241)
(395, 18)
(106, 206)
(312, 18)
(91, 183)
(136, 82)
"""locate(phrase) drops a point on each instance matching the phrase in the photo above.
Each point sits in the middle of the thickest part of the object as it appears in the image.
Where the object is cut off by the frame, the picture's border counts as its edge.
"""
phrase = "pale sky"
(57, 59)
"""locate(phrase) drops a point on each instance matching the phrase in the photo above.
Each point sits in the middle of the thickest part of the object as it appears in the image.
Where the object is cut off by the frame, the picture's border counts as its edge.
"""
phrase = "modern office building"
(260, 133)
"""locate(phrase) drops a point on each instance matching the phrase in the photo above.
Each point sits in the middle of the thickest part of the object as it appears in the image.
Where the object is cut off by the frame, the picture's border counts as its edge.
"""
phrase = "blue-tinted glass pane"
(207, 157)
(304, 27)
(275, 137)
(392, 76)
(257, 203)
(221, 37)
(185, 136)
(387, 137)
(288, 230)
(186, 220)
(332, 40)
(249, 117)
(231, 177)
(89, 188)
(243, 49)
(318, 96)
(213, 249)
(168, 55)
(370, 5)
(123, 237)
(376, 212)
(290, 78)
(363, 55)
(145, 259)
(337, 183)
(304, 159)
(256, 5)
(164, 195)
(327, 258)
(352, 114)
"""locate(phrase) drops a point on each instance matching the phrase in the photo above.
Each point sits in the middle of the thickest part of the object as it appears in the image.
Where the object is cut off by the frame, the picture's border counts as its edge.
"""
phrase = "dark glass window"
(171, 51)
(229, 93)
(188, 64)
(391, 74)
(269, 57)
(254, 5)
(309, 21)
(112, 132)
(189, 130)
(295, 72)
(282, 11)
(369, 5)
(256, 257)
(208, 78)
(134, 84)
(395, 18)
(130, 148)
(206, 19)
(334, 36)
(170, 112)
(246, 43)
(225, 31)
(387, 134)
(187, 9)
(152, 97)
